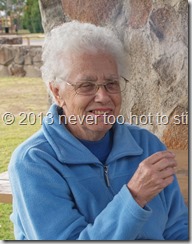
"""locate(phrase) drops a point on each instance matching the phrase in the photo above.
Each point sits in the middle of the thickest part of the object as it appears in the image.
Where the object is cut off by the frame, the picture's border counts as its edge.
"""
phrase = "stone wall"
(155, 36)
(11, 40)
(20, 60)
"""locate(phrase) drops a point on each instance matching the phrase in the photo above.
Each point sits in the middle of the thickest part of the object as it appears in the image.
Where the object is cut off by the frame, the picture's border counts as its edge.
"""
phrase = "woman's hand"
(152, 176)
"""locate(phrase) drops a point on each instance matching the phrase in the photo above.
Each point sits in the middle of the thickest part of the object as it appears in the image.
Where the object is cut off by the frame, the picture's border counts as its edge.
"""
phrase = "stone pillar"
(155, 37)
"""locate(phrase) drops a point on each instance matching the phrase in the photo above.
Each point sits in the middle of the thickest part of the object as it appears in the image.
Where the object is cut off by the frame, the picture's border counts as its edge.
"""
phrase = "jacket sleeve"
(44, 208)
(177, 224)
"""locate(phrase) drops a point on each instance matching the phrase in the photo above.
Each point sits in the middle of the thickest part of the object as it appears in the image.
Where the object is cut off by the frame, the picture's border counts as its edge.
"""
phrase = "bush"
(32, 17)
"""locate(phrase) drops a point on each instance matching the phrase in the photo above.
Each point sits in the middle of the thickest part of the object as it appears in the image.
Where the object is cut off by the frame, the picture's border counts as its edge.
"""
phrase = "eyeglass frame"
(97, 85)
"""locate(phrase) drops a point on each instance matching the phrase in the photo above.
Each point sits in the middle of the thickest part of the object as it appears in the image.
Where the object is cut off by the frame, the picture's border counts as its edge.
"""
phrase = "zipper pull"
(106, 175)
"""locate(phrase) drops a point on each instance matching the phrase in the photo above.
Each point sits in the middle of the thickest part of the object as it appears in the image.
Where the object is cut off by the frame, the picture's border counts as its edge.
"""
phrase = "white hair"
(77, 38)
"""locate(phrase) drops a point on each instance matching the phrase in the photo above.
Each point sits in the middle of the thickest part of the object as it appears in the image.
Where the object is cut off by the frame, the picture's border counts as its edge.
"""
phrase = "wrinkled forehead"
(88, 65)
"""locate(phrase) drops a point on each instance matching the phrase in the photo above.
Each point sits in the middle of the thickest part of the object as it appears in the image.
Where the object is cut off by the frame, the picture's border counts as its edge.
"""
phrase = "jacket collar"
(124, 143)
(71, 151)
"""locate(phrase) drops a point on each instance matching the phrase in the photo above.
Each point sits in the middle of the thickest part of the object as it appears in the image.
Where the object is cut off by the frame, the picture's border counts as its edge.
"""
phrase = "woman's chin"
(99, 127)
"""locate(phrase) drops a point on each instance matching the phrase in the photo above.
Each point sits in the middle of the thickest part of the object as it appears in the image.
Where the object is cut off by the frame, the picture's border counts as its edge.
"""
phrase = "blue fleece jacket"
(61, 191)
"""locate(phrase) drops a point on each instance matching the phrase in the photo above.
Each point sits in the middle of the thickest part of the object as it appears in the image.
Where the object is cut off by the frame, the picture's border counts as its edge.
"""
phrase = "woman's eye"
(87, 85)
(113, 83)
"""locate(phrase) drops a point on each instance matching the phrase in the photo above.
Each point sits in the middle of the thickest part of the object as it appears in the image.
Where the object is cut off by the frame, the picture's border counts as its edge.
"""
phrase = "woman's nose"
(102, 94)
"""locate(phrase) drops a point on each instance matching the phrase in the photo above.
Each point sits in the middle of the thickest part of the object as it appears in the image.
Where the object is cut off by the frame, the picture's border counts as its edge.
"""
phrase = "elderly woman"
(84, 176)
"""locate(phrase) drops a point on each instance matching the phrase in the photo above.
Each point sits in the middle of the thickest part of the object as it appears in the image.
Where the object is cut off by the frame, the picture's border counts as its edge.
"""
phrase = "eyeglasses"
(88, 88)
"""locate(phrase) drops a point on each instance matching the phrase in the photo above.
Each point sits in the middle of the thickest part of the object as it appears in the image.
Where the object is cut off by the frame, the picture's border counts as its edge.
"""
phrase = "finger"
(167, 181)
(154, 158)
(164, 163)
(164, 183)
(167, 172)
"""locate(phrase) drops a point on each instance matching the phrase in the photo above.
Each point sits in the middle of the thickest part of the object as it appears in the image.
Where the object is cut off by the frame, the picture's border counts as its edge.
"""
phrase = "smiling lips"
(101, 111)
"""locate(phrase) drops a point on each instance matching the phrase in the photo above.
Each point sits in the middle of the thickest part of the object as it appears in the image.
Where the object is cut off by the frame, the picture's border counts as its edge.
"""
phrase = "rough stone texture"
(139, 14)
(177, 129)
(51, 9)
(96, 11)
(20, 60)
(155, 37)
(6, 55)
(13, 40)
(4, 71)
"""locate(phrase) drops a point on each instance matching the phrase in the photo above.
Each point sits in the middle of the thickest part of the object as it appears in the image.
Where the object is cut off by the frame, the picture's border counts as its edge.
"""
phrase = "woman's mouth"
(100, 112)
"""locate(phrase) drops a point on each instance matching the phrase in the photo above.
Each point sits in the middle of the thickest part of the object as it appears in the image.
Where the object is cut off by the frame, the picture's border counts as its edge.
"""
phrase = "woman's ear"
(55, 89)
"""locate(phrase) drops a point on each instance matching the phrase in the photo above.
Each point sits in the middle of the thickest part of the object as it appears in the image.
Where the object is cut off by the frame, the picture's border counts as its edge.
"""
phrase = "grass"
(11, 136)
(6, 227)
(19, 95)
(27, 95)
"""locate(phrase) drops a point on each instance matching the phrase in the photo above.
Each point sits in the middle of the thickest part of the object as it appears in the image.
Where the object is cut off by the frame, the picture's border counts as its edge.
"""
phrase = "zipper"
(106, 175)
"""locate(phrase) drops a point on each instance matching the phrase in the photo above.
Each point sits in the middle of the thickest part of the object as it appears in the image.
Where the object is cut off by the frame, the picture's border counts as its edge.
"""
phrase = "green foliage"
(32, 17)
(10, 6)
(2, 4)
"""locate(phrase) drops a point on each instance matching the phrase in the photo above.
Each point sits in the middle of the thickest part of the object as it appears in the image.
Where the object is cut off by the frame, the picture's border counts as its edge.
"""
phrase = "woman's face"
(89, 113)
